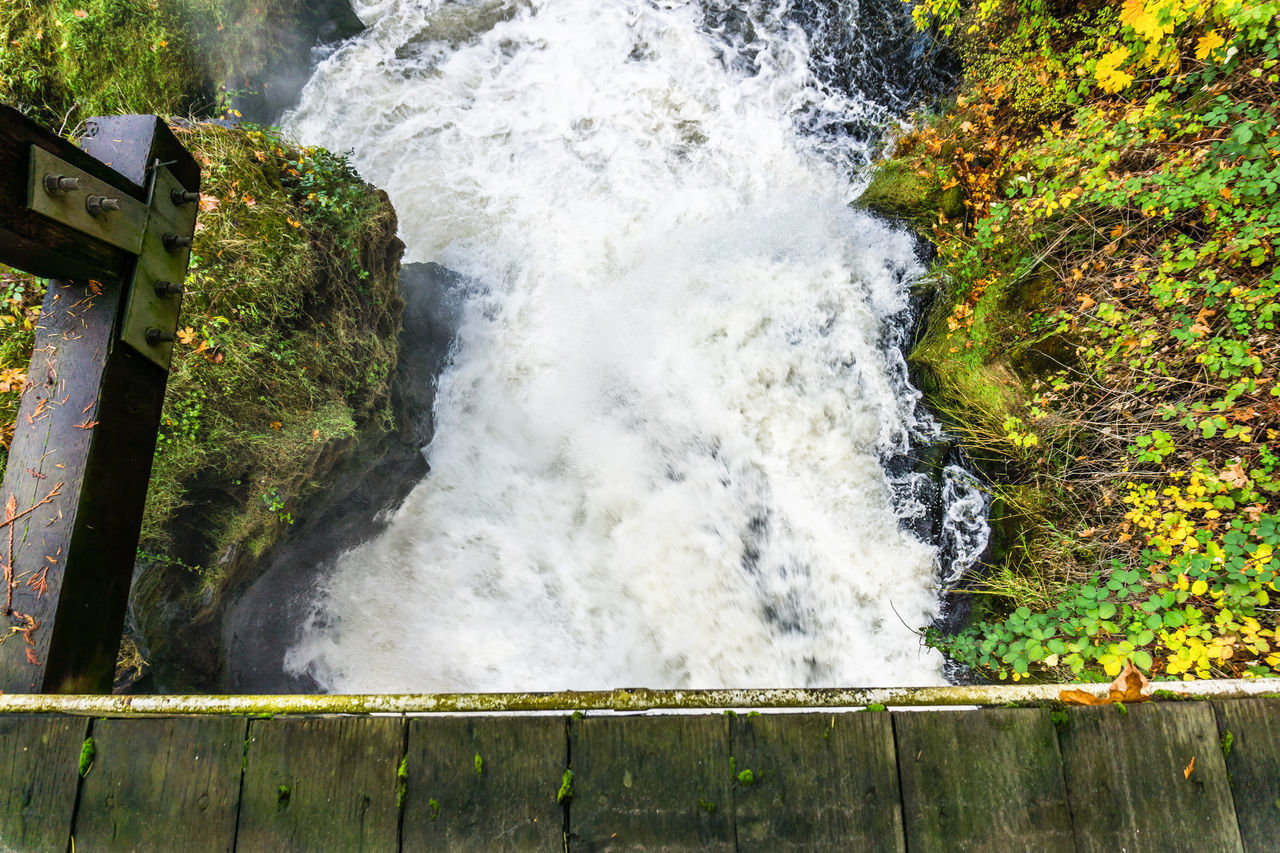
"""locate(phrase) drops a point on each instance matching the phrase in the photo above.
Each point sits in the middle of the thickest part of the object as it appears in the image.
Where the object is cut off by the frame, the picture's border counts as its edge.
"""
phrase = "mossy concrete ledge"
(610, 700)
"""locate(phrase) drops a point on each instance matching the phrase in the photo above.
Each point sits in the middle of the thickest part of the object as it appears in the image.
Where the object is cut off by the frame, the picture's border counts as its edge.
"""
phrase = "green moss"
(1061, 719)
(402, 781)
(875, 706)
(282, 795)
(479, 763)
(898, 191)
(434, 805)
(1227, 741)
(746, 778)
(706, 805)
(88, 751)
(565, 794)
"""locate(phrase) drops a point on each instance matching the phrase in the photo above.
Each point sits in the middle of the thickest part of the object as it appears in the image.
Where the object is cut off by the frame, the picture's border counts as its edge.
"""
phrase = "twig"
(11, 515)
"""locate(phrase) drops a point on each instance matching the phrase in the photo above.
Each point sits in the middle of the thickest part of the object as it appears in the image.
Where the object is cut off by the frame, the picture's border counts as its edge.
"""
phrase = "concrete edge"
(613, 700)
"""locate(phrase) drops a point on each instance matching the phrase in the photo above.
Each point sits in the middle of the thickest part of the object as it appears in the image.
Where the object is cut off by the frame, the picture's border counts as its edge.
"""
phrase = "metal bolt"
(181, 197)
(99, 204)
(155, 336)
(174, 243)
(168, 288)
(60, 184)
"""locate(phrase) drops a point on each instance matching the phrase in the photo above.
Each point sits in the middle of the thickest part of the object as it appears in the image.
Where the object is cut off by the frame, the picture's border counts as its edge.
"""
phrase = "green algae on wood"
(150, 776)
(990, 781)
(651, 782)
(1133, 778)
(822, 782)
(1250, 744)
(340, 777)
(480, 783)
(39, 761)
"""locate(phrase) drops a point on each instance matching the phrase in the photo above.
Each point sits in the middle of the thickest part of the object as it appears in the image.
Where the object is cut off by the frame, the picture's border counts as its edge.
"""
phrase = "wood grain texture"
(818, 782)
(162, 785)
(39, 769)
(1253, 768)
(982, 781)
(651, 783)
(509, 803)
(1126, 772)
(321, 784)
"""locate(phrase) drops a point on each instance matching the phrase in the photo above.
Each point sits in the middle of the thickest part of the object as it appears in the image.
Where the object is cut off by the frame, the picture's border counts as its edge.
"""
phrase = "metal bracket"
(69, 195)
(155, 294)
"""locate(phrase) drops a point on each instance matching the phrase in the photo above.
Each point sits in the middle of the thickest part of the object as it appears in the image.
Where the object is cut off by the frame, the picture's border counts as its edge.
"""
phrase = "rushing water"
(660, 444)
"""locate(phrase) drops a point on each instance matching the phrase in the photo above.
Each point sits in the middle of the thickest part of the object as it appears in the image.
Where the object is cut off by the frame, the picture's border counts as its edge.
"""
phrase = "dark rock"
(355, 504)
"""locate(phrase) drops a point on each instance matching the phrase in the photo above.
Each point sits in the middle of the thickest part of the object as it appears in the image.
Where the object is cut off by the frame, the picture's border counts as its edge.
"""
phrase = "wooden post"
(76, 481)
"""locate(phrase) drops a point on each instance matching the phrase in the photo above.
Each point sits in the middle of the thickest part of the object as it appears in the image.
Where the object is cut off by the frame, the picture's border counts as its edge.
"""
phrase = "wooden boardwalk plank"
(981, 781)
(1126, 773)
(484, 783)
(651, 783)
(161, 784)
(321, 784)
(39, 769)
(818, 782)
(1253, 768)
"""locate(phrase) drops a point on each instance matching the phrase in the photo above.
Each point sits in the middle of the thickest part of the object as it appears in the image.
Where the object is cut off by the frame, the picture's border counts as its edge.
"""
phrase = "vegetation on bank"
(291, 311)
(1105, 337)
(62, 61)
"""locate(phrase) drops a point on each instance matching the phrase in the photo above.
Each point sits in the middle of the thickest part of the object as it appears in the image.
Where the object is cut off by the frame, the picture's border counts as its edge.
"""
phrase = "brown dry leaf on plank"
(1129, 686)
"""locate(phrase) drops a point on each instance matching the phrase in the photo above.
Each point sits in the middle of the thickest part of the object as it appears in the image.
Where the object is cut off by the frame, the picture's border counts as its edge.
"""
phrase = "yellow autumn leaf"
(1200, 587)
(1143, 18)
(1108, 72)
(187, 336)
(1208, 43)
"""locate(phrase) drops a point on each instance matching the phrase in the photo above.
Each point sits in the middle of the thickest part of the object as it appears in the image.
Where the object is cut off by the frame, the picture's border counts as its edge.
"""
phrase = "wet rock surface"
(357, 504)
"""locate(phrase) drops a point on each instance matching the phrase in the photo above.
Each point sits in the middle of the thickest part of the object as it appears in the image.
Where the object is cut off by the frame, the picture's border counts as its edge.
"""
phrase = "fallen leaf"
(187, 336)
(31, 657)
(275, 425)
(80, 13)
(1086, 302)
(1129, 686)
(209, 203)
(1186, 774)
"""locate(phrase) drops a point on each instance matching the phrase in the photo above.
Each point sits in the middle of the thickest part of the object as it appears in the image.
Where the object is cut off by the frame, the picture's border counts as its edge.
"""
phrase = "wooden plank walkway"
(1158, 776)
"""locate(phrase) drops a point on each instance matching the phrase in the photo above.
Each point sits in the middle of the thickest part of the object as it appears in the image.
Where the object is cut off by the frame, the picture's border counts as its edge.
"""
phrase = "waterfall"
(660, 441)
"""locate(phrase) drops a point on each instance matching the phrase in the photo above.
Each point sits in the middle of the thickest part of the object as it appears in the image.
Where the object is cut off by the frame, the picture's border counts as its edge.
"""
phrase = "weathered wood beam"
(78, 467)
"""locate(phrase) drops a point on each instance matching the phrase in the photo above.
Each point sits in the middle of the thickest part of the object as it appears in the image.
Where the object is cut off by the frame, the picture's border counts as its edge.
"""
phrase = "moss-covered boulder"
(900, 192)
(286, 351)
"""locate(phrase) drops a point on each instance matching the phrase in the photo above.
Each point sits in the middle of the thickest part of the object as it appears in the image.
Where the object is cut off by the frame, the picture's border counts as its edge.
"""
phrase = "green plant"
(565, 794)
(88, 752)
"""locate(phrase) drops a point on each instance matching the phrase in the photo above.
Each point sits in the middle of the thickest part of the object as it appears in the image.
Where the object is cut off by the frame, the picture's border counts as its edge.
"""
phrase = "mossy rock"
(288, 347)
(900, 192)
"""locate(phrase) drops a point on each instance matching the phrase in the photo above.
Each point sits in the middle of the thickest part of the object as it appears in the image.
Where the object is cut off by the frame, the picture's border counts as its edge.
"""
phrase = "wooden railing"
(111, 223)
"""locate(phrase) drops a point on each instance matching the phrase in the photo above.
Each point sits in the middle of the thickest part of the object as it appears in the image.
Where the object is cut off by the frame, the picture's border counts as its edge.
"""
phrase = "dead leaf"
(1129, 686)
(1086, 302)
(80, 13)
(275, 425)
(1186, 774)
(186, 336)
(1235, 475)
(31, 657)
(209, 203)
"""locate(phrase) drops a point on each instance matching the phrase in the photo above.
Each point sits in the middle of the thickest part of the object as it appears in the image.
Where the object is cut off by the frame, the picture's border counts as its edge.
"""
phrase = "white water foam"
(657, 451)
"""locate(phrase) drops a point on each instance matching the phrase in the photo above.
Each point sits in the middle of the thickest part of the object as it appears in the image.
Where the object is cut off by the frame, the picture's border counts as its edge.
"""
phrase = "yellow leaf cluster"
(1109, 74)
